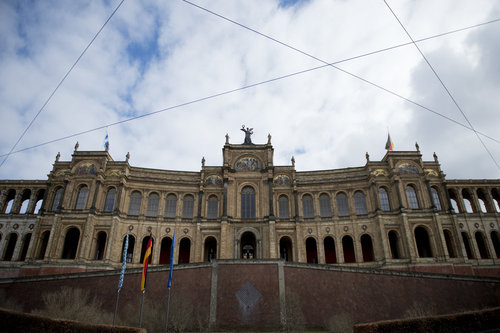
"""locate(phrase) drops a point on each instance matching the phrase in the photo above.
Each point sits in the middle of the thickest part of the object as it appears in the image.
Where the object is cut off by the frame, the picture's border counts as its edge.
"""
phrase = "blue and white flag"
(124, 263)
(106, 142)
(171, 262)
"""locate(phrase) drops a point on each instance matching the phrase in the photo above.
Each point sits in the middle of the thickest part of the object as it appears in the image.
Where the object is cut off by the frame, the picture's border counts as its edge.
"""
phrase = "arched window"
(171, 205)
(465, 239)
(24, 249)
(360, 203)
(145, 242)
(11, 246)
(412, 197)
(454, 202)
(7, 209)
(423, 242)
(367, 248)
(25, 202)
(384, 199)
(307, 206)
(348, 247)
(394, 244)
(134, 207)
(311, 251)
(496, 242)
(247, 202)
(481, 245)
(44, 241)
(210, 249)
(81, 199)
(71, 243)
(165, 251)
(330, 253)
(248, 245)
(213, 207)
(483, 201)
(449, 243)
(325, 209)
(130, 249)
(283, 207)
(286, 249)
(57, 199)
(342, 205)
(188, 207)
(100, 245)
(435, 198)
(184, 251)
(110, 200)
(153, 202)
(469, 207)
(496, 199)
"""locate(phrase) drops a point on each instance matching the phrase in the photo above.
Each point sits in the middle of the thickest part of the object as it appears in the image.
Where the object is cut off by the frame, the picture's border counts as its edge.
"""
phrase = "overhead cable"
(274, 80)
(59, 84)
(442, 83)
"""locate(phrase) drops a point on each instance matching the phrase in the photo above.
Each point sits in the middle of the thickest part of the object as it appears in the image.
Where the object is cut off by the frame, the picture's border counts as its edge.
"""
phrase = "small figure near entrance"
(248, 133)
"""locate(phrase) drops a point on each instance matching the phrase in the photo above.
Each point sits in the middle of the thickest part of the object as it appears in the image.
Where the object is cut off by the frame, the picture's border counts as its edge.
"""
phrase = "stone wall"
(253, 294)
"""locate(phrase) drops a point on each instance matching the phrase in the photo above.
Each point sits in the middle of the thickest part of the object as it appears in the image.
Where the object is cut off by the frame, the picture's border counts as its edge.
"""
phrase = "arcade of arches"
(398, 212)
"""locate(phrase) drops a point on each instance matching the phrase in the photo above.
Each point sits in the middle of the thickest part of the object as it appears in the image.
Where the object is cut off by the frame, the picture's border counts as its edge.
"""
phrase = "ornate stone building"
(397, 213)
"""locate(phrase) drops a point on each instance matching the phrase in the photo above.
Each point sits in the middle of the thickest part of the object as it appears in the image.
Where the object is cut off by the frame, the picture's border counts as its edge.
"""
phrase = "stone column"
(94, 199)
(271, 206)
(428, 185)
(61, 202)
(31, 204)
(272, 240)
(3, 195)
(398, 191)
(118, 199)
(224, 201)
(448, 199)
(16, 205)
(200, 199)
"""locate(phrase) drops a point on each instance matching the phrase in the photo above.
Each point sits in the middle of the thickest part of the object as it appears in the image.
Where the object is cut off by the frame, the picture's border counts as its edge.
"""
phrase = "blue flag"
(124, 263)
(106, 142)
(171, 262)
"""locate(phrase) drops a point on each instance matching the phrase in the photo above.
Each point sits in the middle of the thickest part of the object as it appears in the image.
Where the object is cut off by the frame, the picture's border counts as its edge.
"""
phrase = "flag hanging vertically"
(171, 262)
(389, 144)
(145, 262)
(106, 142)
(124, 263)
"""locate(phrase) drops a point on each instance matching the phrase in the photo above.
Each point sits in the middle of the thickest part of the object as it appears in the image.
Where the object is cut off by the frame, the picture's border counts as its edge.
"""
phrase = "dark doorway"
(100, 245)
(166, 246)
(423, 243)
(71, 244)
(286, 249)
(348, 247)
(367, 248)
(248, 246)
(311, 251)
(210, 249)
(11, 245)
(184, 251)
(330, 253)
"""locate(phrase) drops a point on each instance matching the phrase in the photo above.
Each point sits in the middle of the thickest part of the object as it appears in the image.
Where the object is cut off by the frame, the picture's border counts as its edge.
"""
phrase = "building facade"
(397, 213)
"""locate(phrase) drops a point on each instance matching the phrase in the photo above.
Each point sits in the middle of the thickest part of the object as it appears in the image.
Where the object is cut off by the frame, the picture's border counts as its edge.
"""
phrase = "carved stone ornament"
(167, 230)
(130, 227)
(31, 226)
(346, 228)
(461, 225)
(327, 229)
(476, 225)
(1, 225)
(492, 226)
(364, 227)
(309, 231)
(186, 230)
(431, 172)
(15, 226)
(150, 229)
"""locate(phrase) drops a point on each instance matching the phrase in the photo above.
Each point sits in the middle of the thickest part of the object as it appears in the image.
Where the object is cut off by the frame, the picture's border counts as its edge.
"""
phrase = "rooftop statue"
(248, 133)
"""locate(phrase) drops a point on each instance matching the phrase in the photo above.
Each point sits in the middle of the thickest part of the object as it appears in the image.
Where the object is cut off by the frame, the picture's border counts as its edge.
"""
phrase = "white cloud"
(160, 54)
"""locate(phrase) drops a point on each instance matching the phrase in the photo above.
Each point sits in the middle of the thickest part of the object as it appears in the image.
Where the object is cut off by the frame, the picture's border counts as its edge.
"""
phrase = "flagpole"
(168, 308)
(116, 305)
(142, 303)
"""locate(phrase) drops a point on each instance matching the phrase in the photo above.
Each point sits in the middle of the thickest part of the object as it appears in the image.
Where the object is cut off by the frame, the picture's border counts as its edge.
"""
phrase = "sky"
(209, 76)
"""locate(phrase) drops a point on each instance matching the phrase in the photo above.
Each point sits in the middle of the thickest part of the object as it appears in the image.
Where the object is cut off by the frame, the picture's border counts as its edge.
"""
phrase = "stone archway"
(248, 245)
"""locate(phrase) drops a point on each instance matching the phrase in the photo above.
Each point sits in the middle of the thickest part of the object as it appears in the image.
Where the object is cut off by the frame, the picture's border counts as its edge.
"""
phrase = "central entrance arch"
(248, 245)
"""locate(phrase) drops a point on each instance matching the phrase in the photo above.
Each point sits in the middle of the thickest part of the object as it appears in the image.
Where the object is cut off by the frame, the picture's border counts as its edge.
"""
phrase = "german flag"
(145, 262)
